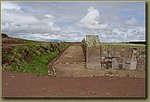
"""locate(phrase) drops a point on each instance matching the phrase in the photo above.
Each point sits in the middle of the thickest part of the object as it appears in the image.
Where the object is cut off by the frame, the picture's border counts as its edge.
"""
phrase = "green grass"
(39, 64)
(122, 45)
(32, 57)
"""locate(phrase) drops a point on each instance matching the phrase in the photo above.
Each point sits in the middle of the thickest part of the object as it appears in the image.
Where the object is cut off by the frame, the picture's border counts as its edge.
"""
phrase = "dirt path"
(71, 55)
(29, 85)
(70, 62)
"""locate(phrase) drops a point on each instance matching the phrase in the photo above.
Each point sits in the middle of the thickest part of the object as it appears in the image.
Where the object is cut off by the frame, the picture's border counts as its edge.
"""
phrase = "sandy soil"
(29, 85)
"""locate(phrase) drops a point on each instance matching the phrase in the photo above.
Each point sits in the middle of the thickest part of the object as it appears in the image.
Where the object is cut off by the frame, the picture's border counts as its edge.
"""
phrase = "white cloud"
(103, 26)
(40, 36)
(49, 16)
(41, 21)
(18, 18)
(123, 34)
(18, 21)
(91, 20)
(10, 6)
(131, 22)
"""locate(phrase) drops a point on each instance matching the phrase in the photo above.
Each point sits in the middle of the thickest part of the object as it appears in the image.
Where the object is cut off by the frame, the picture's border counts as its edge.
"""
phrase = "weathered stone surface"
(133, 62)
(117, 54)
(93, 57)
(115, 63)
(105, 53)
(93, 54)
(126, 63)
(92, 40)
(120, 66)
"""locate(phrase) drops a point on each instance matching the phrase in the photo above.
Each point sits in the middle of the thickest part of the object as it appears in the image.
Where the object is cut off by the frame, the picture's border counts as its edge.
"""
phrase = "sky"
(72, 21)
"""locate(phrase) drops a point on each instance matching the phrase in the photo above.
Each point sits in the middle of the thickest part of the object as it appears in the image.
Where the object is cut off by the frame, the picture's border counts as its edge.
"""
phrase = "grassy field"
(33, 57)
(123, 45)
(118, 44)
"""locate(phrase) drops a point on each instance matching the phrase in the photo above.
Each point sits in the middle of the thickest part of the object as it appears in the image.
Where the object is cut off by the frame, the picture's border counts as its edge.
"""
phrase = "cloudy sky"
(71, 21)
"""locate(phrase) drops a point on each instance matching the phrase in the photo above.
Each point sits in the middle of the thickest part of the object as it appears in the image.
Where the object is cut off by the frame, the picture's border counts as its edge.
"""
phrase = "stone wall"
(112, 56)
(119, 57)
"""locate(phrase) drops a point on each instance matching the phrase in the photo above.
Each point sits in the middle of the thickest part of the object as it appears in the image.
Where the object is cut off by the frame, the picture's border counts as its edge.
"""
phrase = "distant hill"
(56, 40)
(3, 35)
(138, 42)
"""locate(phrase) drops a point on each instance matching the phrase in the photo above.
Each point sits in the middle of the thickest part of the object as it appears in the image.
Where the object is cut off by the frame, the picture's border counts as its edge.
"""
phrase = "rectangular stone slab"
(93, 53)
(93, 57)
(133, 63)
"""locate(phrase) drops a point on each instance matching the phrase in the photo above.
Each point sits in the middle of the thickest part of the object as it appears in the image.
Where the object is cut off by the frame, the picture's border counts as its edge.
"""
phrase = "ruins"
(99, 56)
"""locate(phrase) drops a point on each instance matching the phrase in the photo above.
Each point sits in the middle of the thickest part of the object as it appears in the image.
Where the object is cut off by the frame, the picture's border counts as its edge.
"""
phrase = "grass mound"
(32, 57)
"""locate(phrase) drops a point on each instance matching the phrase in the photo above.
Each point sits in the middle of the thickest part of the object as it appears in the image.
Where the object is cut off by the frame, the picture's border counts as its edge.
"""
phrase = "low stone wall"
(118, 57)
(113, 56)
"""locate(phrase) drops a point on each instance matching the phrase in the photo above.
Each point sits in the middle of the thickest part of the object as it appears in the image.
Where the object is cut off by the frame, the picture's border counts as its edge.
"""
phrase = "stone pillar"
(133, 63)
(93, 53)
(114, 63)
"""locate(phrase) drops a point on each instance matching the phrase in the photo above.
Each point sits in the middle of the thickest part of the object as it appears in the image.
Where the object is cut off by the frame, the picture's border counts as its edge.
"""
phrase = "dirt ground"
(29, 85)
(74, 80)
(8, 42)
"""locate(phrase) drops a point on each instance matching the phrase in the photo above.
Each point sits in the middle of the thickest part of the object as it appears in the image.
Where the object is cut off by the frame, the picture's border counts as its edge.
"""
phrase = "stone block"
(133, 63)
(115, 63)
(93, 52)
